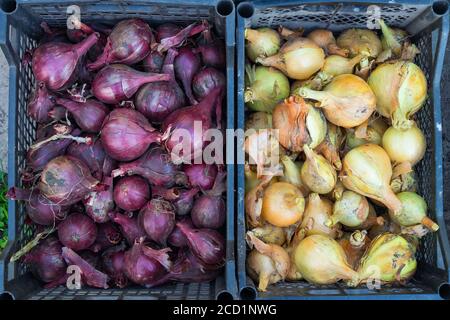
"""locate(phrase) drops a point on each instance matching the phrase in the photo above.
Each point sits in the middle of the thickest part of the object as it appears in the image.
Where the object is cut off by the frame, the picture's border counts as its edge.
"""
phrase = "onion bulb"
(263, 149)
(292, 174)
(352, 209)
(262, 42)
(321, 260)
(335, 65)
(298, 58)
(414, 211)
(269, 234)
(251, 180)
(320, 80)
(371, 221)
(354, 245)
(396, 42)
(347, 100)
(372, 132)
(266, 263)
(258, 120)
(265, 87)
(360, 41)
(317, 173)
(367, 170)
(331, 145)
(407, 145)
(325, 39)
(283, 204)
(404, 182)
(298, 123)
(401, 89)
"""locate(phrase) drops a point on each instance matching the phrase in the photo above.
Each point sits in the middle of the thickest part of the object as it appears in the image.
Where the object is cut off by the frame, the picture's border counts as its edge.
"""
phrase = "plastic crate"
(19, 31)
(428, 23)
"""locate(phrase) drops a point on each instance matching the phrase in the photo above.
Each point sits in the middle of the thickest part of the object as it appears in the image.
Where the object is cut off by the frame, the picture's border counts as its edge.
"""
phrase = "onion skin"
(269, 234)
(153, 62)
(262, 42)
(113, 265)
(99, 203)
(317, 173)
(177, 237)
(360, 41)
(335, 65)
(40, 103)
(77, 232)
(157, 219)
(186, 65)
(330, 147)
(354, 246)
(201, 175)
(131, 193)
(206, 80)
(325, 39)
(258, 120)
(351, 210)
(208, 211)
(129, 227)
(188, 268)
(107, 236)
(292, 174)
(405, 145)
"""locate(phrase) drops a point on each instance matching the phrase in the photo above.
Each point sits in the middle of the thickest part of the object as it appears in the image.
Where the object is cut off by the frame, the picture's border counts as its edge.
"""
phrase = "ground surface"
(3, 112)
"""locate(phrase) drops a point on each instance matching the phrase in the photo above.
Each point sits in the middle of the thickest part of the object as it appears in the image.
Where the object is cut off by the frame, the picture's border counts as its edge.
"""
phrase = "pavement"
(3, 112)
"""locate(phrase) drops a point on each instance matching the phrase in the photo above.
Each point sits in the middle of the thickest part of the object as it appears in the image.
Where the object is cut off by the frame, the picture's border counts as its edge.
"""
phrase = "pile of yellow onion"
(331, 193)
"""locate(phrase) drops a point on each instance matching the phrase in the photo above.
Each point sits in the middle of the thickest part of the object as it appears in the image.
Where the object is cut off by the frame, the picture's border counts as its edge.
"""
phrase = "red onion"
(129, 42)
(206, 80)
(156, 166)
(46, 260)
(180, 37)
(129, 227)
(52, 35)
(89, 274)
(58, 113)
(144, 265)
(113, 265)
(176, 237)
(117, 82)
(107, 236)
(184, 119)
(66, 180)
(212, 51)
(40, 210)
(157, 100)
(166, 30)
(79, 32)
(186, 65)
(208, 245)
(181, 199)
(157, 219)
(153, 62)
(90, 257)
(201, 175)
(40, 103)
(89, 116)
(131, 193)
(126, 134)
(208, 212)
(77, 232)
(188, 268)
(99, 203)
(55, 63)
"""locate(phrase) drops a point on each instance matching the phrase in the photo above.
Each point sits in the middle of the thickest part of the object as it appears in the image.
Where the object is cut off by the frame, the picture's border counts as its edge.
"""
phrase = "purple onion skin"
(157, 219)
(55, 63)
(113, 265)
(90, 257)
(201, 175)
(166, 30)
(177, 238)
(77, 232)
(40, 210)
(153, 62)
(186, 65)
(207, 80)
(181, 199)
(129, 227)
(89, 115)
(188, 268)
(52, 35)
(131, 193)
(66, 180)
(46, 260)
(208, 212)
(128, 43)
(213, 54)
(98, 204)
(40, 104)
(108, 235)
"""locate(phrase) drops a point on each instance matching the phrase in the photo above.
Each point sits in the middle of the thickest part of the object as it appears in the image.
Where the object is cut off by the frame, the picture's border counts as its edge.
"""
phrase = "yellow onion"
(371, 221)
(262, 42)
(337, 192)
(263, 149)
(298, 123)
(292, 174)
(347, 100)
(325, 39)
(414, 211)
(258, 120)
(401, 90)
(389, 258)
(317, 173)
(387, 226)
(298, 58)
(264, 88)
(318, 211)
(404, 182)
(370, 132)
(331, 146)
(360, 41)
(321, 260)
(317, 82)
(335, 65)
(367, 170)
(283, 204)
(287, 33)
(293, 273)
(396, 44)
(251, 179)
(351, 210)
(354, 245)
(269, 234)
(407, 145)
(266, 263)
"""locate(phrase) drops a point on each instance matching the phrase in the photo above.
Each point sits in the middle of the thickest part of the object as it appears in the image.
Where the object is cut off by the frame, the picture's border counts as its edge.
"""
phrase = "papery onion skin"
(131, 193)
(360, 41)
(77, 232)
(352, 209)
(157, 219)
(405, 145)
(258, 120)
(317, 173)
(335, 65)
(262, 42)
(40, 103)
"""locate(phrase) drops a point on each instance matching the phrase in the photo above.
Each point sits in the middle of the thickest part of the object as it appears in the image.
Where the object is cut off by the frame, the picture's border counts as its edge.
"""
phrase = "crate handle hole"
(440, 7)
(6, 296)
(246, 10)
(225, 296)
(248, 293)
(444, 291)
(225, 7)
(9, 6)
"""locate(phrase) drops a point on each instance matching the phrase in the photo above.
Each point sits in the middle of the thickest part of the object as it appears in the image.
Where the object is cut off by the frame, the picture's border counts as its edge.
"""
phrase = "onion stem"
(87, 140)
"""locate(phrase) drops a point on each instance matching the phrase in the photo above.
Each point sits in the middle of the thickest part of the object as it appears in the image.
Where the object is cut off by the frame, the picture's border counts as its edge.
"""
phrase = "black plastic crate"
(428, 23)
(19, 32)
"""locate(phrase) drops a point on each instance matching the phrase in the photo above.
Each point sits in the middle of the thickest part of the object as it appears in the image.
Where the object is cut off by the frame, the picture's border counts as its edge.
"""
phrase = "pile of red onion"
(100, 181)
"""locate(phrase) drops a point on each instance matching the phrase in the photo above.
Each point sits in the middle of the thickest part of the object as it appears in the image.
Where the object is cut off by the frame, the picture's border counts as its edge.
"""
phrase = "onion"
(157, 219)
(99, 203)
(206, 80)
(354, 245)
(212, 51)
(317, 173)
(166, 30)
(208, 212)
(201, 175)
(77, 232)
(370, 132)
(347, 101)
(186, 65)
(128, 43)
(156, 166)
(107, 236)
(177, 237)
(157, 100)
(184, 203)
(188, 268)
(258, 121)
(117, 82)
(283, 204)
(298, 58)
(51, 34)
(401, 89)
(331, 145)
(126, 134)
(367, 170)
(181, 36)
(292, 174)
(404, 182)
(396, 42)
(335, 65)
(129, 227)
(66, 180)
(325, 39)
(351, 210)
(251, 179)
(131, 193)
(321, 260)
(298, 123)
(40, 103)
(360, 41)
(265, 87)
(371, 221)
(262, 42)
(56, 63)
(153, 62)
(269, 234)
(113, 265)
(405, 145)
